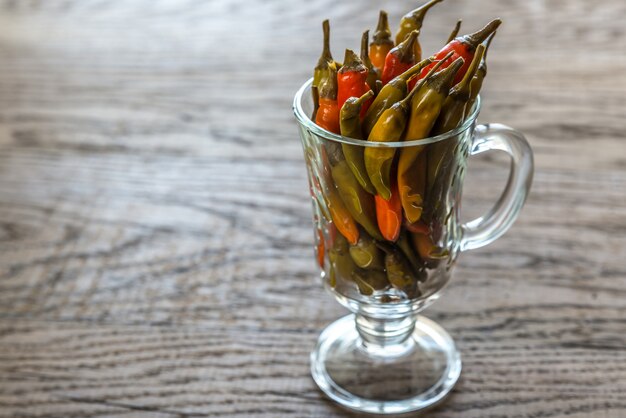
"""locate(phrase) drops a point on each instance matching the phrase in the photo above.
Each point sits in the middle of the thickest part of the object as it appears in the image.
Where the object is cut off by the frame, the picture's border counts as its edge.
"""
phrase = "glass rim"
(305, 120)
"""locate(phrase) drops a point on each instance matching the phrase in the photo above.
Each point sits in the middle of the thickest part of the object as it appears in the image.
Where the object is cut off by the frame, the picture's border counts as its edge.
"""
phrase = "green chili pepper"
(373, 73)
(369, 281)
(453, 109)
(451, 115)
(413, 21)
(425, 107)
(479, 77)
(359, 203)
(414, 259)
(350, 124)
(392, 92)
(399, 273)
(366, 253)
(340, 259)
(325, 64)
(389, 128)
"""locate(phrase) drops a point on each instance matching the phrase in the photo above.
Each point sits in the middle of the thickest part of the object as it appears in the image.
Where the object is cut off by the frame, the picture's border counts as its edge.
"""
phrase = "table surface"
(155, 228)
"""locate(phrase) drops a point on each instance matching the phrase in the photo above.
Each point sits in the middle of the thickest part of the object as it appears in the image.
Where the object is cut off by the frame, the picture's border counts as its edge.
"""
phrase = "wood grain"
(155, 232)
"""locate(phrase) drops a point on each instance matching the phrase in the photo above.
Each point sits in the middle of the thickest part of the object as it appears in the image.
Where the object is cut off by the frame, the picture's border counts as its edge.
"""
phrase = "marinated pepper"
(400, 273)
(453, 110)
(381, 42)
(400, 58)
(366, 254)
(425, 108)
(373, 74)
(325, 64)
(341, 215)
(428, 250)
(392, 92)
(340, 261)
(359, 203)
(389, 128)
(320, 248)
(352, 80)
(327, 115)
(477, 80)
(451, 115)
(464, 47)
(413, 21)
(389, 213)
(369, 281)
(350, 123)
(418, 265)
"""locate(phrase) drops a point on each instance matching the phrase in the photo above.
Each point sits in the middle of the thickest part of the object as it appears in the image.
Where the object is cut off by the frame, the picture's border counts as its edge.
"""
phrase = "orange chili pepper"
(381, 42)
(321, 251)
(389, 214)
(328, 111)
(328, 115)
(341, 217)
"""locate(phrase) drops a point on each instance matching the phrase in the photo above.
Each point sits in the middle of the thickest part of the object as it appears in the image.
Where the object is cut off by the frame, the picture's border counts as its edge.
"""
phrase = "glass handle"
(489, 227)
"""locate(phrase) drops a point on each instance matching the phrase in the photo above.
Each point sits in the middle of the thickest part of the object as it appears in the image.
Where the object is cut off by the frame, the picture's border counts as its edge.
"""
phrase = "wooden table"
(155, 232)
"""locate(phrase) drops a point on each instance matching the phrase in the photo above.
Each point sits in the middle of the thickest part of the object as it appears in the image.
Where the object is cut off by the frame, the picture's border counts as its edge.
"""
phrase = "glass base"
(411, 376)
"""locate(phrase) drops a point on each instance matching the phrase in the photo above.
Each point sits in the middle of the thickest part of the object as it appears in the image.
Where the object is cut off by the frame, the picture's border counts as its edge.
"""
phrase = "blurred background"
(155, 226)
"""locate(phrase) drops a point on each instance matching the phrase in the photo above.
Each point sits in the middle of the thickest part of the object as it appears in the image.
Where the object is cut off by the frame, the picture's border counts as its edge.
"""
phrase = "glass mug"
(385, 358)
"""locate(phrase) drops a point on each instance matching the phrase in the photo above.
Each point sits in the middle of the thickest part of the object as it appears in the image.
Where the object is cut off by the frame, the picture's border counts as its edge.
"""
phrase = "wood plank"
(518, 361)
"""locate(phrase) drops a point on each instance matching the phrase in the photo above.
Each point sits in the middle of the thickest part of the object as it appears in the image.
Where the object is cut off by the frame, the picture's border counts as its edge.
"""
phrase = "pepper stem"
(326, 54)
(482, 67)
(365, 56)
(455, 31)
(419, 13)
(352, 62)
(478, 37)
(382, 33)
(364, 98)
(405, 52)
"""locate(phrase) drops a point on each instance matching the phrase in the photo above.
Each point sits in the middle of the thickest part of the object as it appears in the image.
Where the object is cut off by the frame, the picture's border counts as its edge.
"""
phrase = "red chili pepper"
(352, 80)
(462, 46)
(389, 214)
(400, 58)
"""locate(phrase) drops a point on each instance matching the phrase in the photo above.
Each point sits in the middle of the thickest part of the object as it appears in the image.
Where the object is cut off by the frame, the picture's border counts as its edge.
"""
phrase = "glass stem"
(385, 337)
